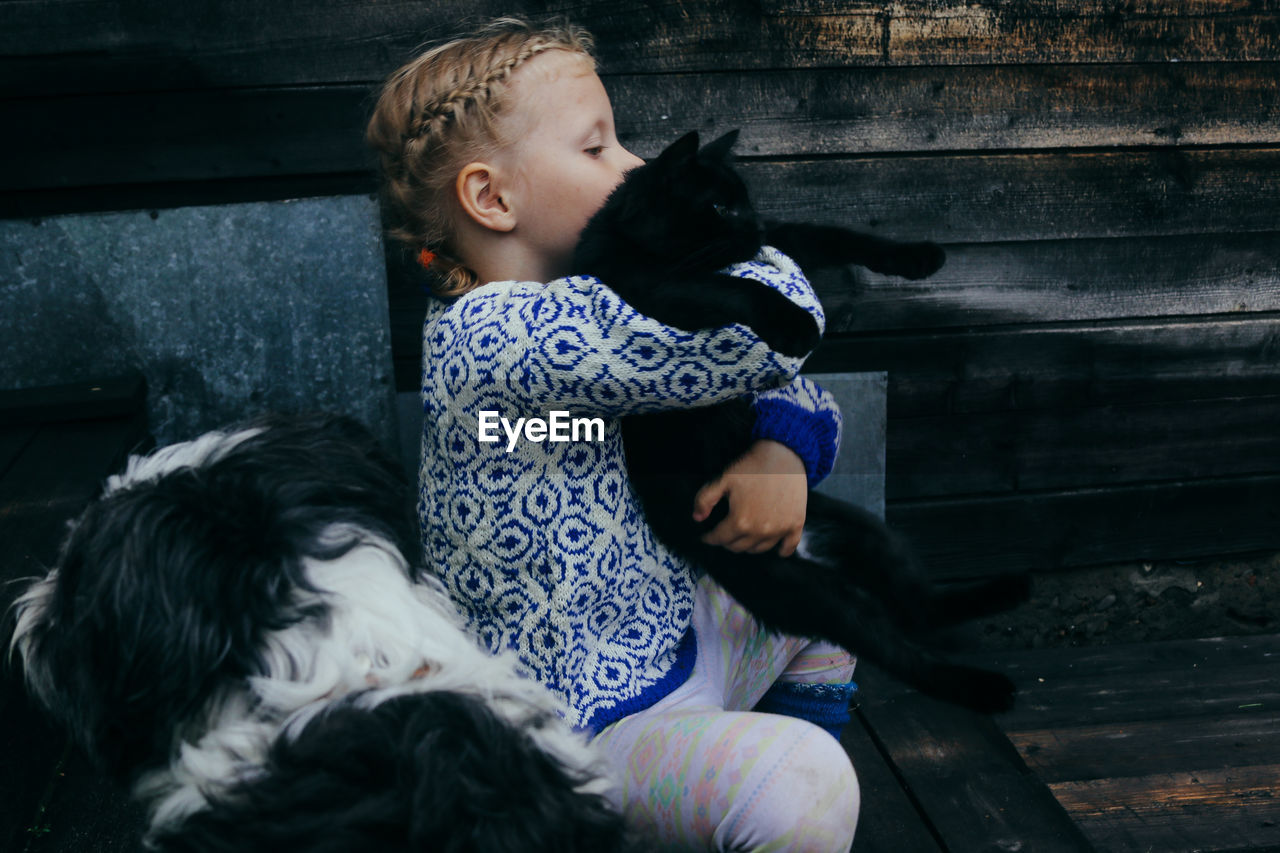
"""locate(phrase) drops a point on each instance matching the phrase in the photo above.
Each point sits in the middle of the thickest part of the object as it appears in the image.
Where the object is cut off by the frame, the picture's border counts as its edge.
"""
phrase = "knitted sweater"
(541, 543)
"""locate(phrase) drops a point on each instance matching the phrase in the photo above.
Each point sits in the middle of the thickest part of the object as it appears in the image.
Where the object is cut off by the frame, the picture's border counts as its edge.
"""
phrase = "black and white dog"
(239, 629)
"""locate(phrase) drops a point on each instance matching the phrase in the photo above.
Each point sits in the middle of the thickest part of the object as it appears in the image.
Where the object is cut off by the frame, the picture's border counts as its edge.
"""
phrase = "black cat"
(658, 241)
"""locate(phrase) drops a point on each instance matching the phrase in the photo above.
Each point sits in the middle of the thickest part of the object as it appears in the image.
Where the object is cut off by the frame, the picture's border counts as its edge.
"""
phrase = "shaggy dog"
(239, 629)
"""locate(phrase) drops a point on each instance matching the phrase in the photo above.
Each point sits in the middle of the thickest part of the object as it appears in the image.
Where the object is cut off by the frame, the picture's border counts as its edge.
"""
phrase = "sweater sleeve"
(575, 344)
(804, 417)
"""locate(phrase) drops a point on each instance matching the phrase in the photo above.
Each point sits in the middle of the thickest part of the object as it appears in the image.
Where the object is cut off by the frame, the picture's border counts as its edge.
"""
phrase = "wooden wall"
(1095, 375)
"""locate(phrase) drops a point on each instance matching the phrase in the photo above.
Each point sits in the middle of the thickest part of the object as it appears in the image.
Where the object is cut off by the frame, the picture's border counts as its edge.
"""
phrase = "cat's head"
(689, 206)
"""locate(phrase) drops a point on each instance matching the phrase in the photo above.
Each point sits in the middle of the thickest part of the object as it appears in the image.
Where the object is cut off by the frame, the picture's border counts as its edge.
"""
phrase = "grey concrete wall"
(858, 475)
(229, 310)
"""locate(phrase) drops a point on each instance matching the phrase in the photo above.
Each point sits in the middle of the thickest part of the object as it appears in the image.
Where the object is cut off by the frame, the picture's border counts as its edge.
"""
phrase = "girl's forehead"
(553, 87)
(553, 66)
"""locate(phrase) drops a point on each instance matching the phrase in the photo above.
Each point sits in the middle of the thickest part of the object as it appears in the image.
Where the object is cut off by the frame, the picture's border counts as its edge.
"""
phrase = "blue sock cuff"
(824, 705)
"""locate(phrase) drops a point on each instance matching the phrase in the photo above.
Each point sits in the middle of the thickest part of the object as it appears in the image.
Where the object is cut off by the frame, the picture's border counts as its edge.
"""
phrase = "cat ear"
(684, 148)
(721, 148)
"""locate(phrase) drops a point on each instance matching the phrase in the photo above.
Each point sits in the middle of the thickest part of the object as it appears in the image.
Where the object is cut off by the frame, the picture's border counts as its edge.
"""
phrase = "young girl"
(496, 149)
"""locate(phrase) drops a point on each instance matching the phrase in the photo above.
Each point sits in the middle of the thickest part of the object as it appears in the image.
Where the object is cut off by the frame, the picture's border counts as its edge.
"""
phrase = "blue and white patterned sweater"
(544, 547)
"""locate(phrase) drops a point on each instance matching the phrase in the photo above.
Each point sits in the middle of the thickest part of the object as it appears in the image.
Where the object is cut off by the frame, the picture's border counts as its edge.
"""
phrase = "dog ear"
(118, 643)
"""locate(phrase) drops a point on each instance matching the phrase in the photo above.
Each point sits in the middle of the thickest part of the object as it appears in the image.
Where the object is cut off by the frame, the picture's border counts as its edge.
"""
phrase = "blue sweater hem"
(686, 655)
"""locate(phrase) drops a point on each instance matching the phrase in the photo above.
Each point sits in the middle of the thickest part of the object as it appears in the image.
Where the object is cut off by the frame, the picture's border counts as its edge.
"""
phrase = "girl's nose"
(630, 161)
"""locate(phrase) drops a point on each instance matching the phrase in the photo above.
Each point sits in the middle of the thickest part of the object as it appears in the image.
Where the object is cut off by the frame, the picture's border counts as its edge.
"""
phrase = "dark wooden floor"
(1153, 748)
(1148, 748)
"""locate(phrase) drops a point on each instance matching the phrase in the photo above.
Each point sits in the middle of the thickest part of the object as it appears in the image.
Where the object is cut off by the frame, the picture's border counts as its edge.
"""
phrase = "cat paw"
(916, 260)
(787, 328)
(793, 334)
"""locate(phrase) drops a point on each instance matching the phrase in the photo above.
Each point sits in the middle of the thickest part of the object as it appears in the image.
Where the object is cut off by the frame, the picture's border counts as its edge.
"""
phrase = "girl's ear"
(480, 196)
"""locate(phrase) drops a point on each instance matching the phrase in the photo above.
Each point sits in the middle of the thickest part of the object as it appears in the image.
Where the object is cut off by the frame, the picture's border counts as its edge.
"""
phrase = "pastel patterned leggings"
(701, 771)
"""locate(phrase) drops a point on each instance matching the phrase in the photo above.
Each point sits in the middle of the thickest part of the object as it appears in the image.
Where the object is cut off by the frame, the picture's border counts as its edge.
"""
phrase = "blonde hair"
(439, 112)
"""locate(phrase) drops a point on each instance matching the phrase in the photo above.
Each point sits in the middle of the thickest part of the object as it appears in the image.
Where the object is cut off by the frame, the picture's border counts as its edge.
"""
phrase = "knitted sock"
(825, 705)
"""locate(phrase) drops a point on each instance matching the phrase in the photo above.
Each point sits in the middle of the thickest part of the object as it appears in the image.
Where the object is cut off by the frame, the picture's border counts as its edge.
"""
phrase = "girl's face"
(566, 158)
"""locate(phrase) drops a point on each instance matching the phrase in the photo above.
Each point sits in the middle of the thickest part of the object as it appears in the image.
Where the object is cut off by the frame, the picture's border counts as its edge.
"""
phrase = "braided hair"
(439, 112)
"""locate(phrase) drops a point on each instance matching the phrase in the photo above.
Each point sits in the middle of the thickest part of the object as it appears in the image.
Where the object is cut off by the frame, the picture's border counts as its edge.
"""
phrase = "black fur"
(428, 772)
(217, 550)
(659, 242)
(159, 607)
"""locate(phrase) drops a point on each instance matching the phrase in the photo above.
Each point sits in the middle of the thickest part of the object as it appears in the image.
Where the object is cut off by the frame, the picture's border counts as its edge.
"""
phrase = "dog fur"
(239, 628)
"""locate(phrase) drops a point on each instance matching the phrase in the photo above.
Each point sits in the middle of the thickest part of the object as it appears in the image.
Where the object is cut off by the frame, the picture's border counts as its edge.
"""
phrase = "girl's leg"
(816, 686)
(751, 660)
(697, 777)
(733, 781)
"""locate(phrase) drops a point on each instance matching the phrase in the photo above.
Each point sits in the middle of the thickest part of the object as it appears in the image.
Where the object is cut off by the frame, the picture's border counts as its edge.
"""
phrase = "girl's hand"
(768, 493)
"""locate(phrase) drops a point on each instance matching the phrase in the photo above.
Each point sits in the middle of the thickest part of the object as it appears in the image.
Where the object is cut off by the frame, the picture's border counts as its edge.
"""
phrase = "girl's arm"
(574, 344)
(798, 435)
(806, 418)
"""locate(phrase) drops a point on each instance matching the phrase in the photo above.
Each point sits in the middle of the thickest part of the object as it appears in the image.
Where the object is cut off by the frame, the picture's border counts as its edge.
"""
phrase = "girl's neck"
(500, 258)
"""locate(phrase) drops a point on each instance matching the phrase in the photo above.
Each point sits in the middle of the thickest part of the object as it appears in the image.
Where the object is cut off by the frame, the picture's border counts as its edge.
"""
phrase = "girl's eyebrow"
(596, 129)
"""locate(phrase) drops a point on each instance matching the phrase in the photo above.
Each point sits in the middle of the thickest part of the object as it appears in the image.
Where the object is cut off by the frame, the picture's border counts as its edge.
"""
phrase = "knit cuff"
(824, 705)
(814, 436)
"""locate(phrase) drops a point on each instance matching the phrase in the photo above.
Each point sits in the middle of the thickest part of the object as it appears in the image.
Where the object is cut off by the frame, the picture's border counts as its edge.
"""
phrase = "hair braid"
(437, 113)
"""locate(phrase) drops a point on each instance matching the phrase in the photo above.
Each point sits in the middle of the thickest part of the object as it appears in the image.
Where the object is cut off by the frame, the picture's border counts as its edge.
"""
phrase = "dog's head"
(169, 583)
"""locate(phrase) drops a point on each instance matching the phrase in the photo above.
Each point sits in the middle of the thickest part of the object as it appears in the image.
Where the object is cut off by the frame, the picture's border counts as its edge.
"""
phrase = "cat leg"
(804, 598)
(817, 246)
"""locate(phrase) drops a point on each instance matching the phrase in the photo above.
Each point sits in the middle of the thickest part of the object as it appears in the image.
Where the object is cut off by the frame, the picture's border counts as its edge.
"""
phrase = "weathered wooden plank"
(57, 473)
(1065, 366)
(1041, 30)
(87, 812)
(1233, 809)
(969, 781)
(1183, 657)
(162, 195)
(104, 45)
(105, 398)
(30, 751)
(1129, 696)
(1034, 196)
(988, 108)
(1041, 531)
(257, 132)
(184, 136)
(966, 368)
(47, 484)
(888, 820)
(1074, 753)
(1061, 281)
(1094, 446)
(12, 440)
(953, 199)
(1010, 285)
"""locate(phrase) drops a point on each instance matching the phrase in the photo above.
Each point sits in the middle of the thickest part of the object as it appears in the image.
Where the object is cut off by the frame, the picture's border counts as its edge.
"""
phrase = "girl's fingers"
(790, 544)
(706, 499)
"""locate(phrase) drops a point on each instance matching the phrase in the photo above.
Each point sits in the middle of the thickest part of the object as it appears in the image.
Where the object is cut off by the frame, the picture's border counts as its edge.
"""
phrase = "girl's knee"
(809, 802)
